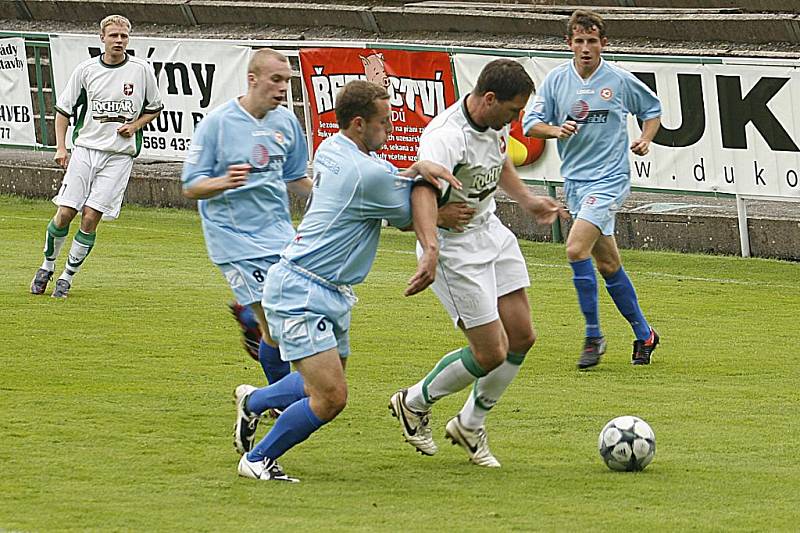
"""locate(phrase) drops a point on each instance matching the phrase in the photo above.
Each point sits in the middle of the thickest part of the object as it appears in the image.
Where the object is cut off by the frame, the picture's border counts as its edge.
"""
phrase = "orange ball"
(523, 150)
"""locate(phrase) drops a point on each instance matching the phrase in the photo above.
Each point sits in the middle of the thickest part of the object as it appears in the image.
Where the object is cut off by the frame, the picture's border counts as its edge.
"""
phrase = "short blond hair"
(114, 19)
(260, 56)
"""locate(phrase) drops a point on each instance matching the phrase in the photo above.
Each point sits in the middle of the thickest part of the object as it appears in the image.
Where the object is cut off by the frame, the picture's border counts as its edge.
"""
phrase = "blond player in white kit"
(481, 276)
(112, 97)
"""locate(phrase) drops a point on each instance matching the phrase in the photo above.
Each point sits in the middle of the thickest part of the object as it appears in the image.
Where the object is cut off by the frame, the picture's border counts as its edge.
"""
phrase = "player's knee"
(491, 357)
(576, 252)
(333, 401)
(64, 216)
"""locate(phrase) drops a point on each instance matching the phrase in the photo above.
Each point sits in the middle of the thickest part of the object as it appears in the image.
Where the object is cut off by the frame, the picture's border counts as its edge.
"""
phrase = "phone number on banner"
(150, 142)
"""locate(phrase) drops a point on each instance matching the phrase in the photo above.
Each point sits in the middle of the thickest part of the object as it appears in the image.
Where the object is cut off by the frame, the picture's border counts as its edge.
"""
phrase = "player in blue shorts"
(309, 294)
(585, 104)
(245, 155)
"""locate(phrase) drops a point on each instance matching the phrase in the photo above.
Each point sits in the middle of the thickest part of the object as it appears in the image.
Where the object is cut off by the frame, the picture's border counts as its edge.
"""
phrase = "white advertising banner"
(729, 126)
(16, 110)
(193, 76)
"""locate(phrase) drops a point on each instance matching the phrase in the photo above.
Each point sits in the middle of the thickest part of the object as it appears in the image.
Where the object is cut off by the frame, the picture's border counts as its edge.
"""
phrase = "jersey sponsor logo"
(327, 162)
(585, 91)
(110, 109)
(485, 183)
(580, 113)
(127, 89)
(606, 93)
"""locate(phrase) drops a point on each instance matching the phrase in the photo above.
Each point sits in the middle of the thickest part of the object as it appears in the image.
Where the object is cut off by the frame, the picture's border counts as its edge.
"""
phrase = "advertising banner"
(727, 126)
(16, 110)
(193, 76)
(420, 86)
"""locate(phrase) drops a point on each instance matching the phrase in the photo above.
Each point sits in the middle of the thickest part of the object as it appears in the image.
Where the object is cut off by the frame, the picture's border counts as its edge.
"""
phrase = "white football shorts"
(475, 269)
(95, 179)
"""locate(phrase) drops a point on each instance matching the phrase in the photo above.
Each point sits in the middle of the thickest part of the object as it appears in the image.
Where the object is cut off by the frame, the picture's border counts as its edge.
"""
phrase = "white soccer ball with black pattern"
(627, 444)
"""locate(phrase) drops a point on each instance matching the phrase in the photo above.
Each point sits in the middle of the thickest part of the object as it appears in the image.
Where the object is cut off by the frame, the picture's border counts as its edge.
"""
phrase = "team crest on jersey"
(260, 156)
(502, 144)
(279, 137)
(127, 89)
(606, 93)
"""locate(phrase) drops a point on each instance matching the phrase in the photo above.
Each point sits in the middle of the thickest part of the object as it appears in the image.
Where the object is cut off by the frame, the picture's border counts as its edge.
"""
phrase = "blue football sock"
(248, 317)
(271, 363)
(294, 426)
(621, 289)
(585, 282)
(279, 395)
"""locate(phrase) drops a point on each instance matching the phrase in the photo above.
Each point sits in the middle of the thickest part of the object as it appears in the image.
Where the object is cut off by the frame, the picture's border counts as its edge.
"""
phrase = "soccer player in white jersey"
(481, 276)
(308, 294)
(245, 155)
(112, 97)
(585, 103)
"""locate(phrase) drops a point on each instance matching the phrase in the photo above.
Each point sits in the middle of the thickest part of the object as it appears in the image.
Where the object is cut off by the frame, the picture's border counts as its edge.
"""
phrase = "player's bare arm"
(425, 214)
(209, 187)
(547, 131)
(641, 146)
(301, 188)
(62, 156)
(542, 208)
(432, 173)
(130, 129)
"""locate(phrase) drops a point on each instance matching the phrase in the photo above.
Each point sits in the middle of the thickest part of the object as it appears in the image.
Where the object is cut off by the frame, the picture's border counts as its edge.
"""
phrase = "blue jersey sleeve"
(386, 195)
(201, 160)
(543, 109)
(640, 100)
(296, 163)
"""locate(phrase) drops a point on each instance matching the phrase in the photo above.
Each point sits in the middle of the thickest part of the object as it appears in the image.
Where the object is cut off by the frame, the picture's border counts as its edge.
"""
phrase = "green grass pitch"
(116, 408)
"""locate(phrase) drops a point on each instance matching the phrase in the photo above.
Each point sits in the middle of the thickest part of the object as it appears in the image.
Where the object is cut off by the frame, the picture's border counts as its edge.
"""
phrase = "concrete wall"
(691, 25)
(712, 234)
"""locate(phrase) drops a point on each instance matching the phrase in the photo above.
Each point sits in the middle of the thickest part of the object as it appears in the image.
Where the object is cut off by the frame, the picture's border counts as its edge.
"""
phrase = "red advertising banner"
(420, 86)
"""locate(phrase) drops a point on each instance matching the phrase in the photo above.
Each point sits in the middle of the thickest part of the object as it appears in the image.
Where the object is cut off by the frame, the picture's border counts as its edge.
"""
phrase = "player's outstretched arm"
(542, 208)
(547, 131)
(424, 213)
(203, 188)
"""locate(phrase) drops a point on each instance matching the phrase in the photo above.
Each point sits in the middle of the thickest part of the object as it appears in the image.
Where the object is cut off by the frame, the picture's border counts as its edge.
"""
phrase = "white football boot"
(244, 429)
(264, 470)
(474, 442)
(415, 426)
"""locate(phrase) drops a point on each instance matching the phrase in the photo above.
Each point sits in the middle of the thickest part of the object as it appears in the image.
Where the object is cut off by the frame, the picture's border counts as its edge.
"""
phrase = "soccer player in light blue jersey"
(245, 155)
(308, 294)
(585, 104)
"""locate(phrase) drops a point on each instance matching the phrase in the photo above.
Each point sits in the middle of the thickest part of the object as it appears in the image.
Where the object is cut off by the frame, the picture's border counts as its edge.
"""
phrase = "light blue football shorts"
(597, 201)
(247, 277)
(306, 314)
